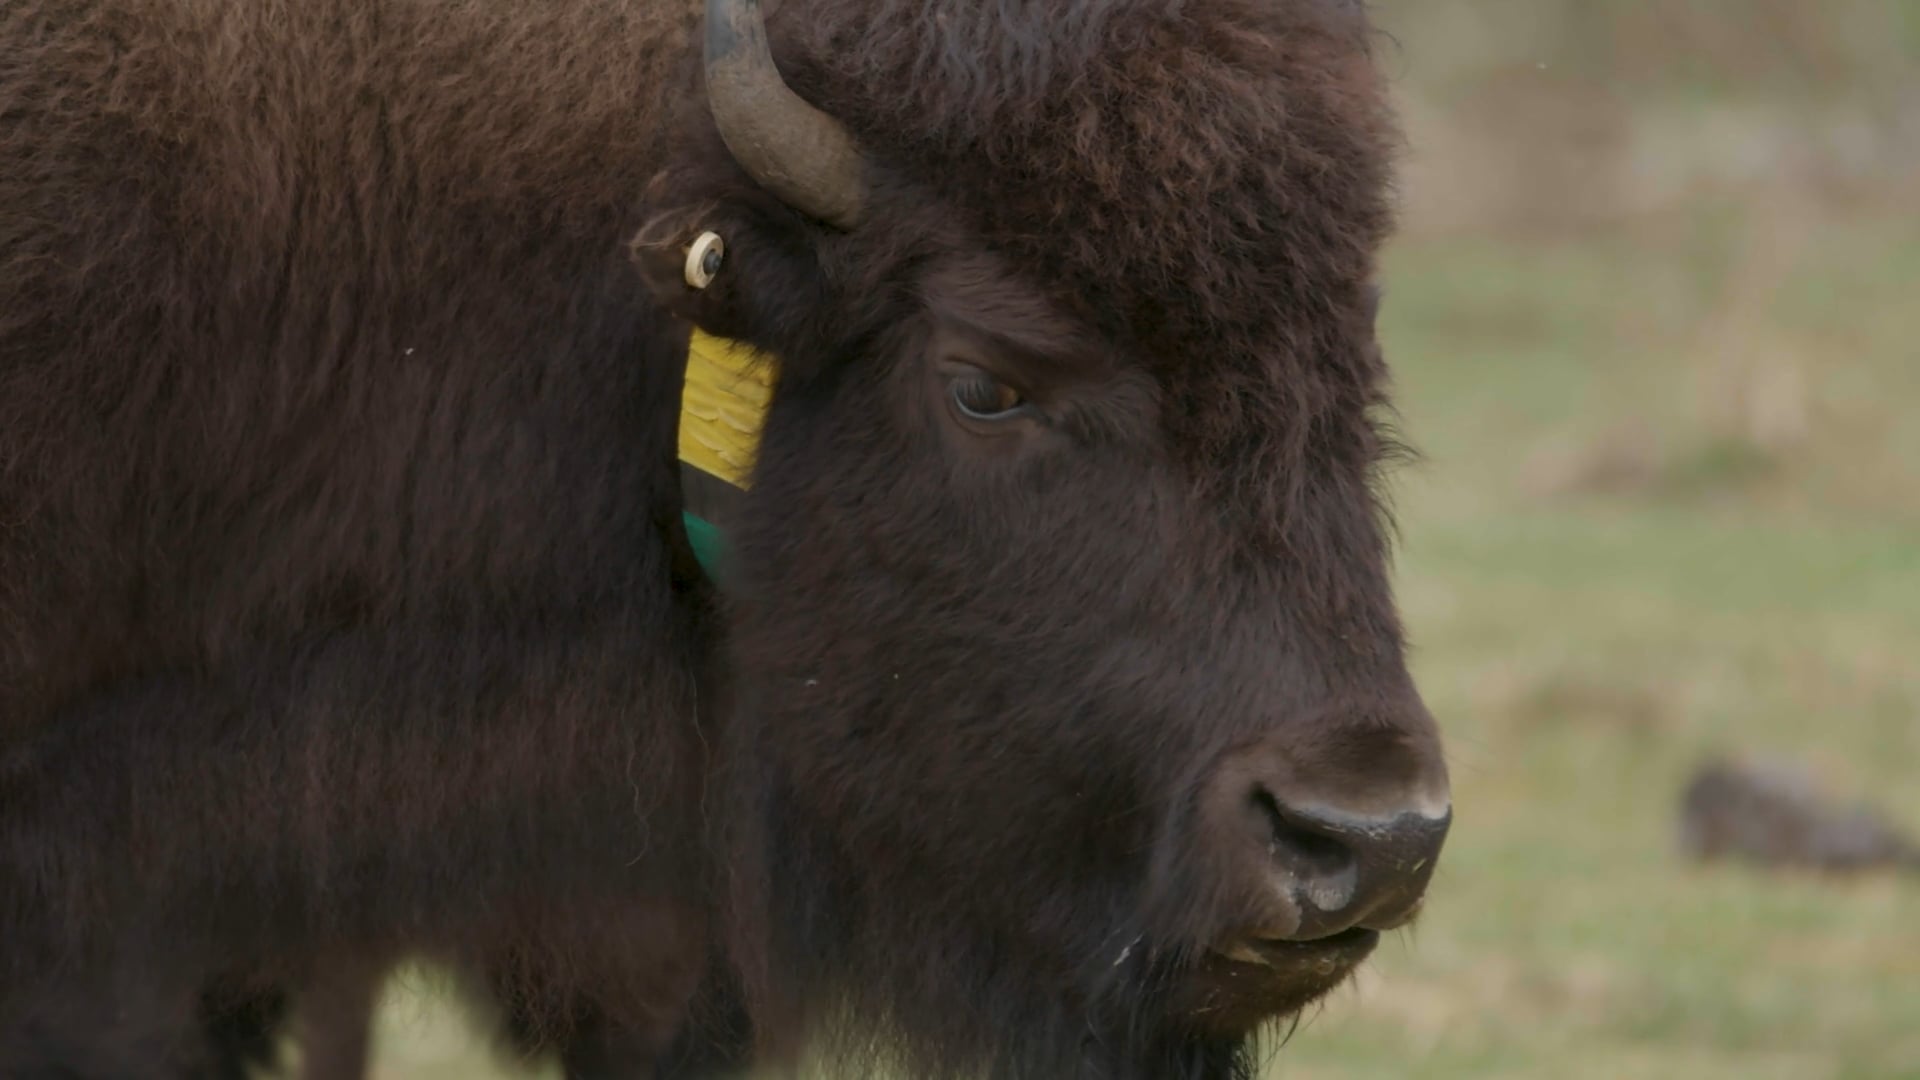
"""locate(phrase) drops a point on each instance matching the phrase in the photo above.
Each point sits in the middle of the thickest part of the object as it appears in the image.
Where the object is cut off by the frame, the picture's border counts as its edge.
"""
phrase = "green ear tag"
(709, 546)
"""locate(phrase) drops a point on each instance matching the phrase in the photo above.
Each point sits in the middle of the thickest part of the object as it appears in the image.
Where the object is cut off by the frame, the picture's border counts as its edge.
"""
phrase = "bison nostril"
(1304, 842)
(1322, 865)
(1343, 870)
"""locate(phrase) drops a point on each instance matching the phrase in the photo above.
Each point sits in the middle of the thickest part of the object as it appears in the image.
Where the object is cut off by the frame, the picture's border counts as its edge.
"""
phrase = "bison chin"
(1239, 994)
(876, 976)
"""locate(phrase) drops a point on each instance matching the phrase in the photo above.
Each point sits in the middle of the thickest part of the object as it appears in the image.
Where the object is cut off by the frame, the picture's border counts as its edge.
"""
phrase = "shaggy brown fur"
(344, 609)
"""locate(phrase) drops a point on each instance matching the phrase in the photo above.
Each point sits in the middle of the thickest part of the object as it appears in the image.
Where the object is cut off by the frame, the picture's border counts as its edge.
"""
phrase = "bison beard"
(346, 614)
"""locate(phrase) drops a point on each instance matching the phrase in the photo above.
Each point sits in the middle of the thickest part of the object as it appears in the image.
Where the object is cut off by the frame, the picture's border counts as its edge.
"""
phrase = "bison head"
(1069, 715)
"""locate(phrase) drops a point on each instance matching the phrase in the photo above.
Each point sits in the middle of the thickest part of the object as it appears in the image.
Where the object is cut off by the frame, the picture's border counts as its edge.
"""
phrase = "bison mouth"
(1331, 956)
(1238, 987)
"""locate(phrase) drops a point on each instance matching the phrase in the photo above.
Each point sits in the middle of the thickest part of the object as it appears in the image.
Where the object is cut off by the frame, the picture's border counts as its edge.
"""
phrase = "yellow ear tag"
(723, 406)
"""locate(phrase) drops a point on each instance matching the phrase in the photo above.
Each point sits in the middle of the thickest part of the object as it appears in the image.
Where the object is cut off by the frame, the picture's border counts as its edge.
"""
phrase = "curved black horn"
(794, 150)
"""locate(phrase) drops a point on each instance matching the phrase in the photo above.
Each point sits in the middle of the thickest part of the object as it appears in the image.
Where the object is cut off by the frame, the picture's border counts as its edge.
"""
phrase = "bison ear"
(733, 273)
(688, 276)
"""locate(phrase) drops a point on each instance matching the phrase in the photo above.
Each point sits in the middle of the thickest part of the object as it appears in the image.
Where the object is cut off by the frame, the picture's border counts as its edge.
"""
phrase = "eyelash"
(983, 397)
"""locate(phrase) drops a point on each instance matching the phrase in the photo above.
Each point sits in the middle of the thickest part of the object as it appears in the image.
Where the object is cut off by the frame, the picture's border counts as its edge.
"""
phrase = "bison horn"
(792, 149)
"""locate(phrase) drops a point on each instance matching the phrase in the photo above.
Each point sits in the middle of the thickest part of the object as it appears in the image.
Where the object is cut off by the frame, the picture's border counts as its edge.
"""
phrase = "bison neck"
(351, 587)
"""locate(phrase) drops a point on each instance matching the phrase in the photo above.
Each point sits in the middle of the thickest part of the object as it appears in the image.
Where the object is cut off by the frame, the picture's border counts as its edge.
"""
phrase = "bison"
(1049, 716)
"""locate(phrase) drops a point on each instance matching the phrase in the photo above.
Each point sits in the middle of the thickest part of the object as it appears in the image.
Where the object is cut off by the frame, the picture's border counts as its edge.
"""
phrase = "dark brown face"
(1052, 748)
(1016, 689)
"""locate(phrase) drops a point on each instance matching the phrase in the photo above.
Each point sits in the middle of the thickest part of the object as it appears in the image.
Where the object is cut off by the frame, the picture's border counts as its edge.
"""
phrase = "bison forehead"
(1206, 184)
(1201, 174)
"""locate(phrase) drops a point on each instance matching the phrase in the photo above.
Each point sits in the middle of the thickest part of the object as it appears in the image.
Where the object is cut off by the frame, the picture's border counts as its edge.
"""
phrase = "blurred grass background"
(1655, 316)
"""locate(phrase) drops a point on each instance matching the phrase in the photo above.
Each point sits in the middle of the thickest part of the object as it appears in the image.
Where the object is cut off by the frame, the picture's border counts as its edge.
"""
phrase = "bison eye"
(983, 397)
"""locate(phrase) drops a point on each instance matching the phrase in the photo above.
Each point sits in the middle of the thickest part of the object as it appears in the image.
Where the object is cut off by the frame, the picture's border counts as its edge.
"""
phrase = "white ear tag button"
(704, 260)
